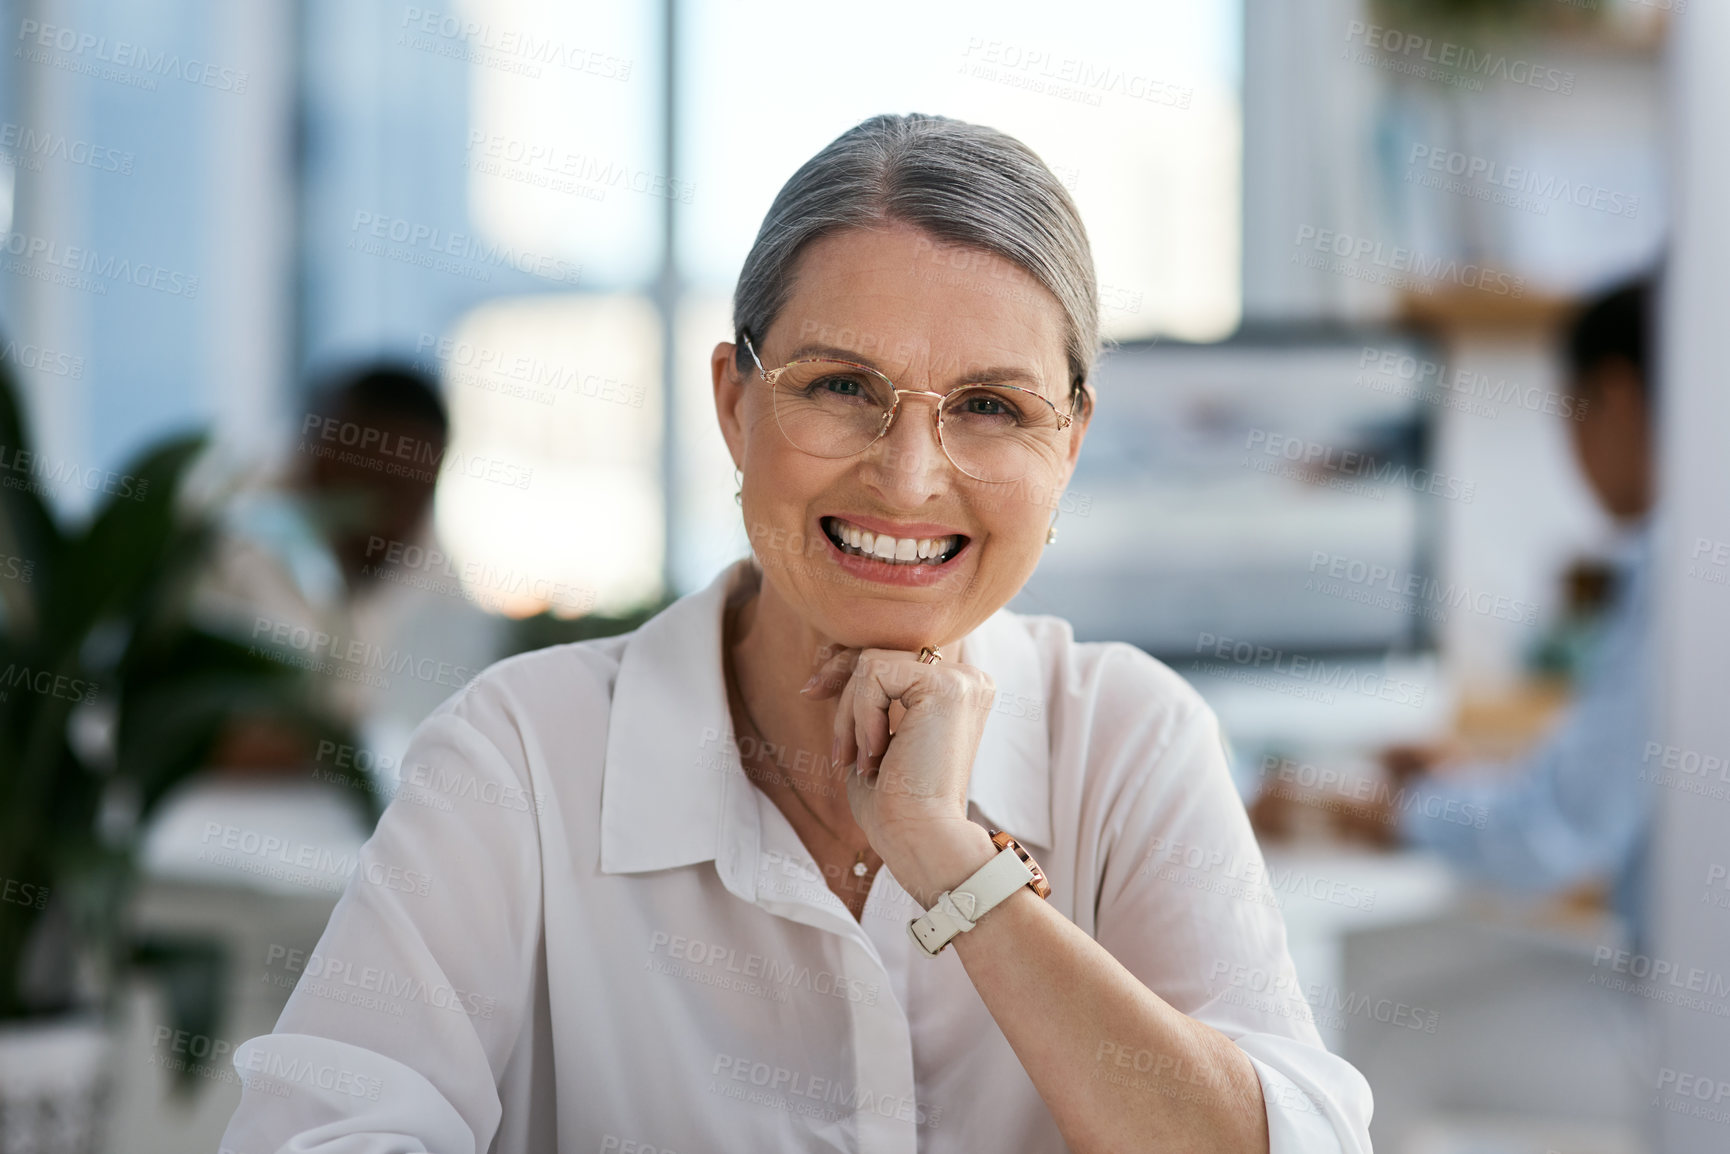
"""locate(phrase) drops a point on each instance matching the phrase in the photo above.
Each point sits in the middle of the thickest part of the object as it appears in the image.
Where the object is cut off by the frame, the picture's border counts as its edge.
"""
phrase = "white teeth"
(901, 551)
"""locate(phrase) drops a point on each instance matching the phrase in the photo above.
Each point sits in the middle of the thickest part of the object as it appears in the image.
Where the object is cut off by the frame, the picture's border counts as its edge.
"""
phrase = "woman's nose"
(910, 456)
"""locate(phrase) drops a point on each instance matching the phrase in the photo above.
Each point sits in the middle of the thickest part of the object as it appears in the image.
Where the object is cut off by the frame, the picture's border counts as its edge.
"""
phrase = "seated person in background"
(325, 565)
(1576, 807)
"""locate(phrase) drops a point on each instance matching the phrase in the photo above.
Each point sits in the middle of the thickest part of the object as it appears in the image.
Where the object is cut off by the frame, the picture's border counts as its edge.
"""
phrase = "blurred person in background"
(1577, 807)
(334, 566)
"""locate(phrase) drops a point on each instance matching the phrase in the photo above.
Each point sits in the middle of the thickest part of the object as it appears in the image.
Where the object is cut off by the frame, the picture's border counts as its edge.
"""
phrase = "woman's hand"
(909, 794)
(1405, 762)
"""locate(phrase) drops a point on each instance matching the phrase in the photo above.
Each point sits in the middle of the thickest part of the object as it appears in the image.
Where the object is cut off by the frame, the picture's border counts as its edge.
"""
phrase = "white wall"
(1693, 830)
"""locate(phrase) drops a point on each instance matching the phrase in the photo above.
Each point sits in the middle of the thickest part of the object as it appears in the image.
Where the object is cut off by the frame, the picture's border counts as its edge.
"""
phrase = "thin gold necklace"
(860, 869)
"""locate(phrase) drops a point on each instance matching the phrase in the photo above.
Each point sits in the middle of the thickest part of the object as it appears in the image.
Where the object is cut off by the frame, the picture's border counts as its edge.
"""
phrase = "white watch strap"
(960, 909)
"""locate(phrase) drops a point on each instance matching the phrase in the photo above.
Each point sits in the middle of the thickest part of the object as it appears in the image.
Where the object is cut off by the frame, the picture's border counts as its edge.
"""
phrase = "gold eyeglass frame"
(771, 376)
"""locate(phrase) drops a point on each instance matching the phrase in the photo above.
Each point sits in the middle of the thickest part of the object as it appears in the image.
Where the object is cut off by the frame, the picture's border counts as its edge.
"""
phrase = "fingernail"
(835, 751)
(809, 685)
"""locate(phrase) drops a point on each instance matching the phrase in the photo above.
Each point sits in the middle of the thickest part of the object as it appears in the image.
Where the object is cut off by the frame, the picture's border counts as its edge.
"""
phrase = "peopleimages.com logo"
(1527, 188)
(89, 51)
(442, 250)
(1448, 62)
(1426, 268)
(88, 269)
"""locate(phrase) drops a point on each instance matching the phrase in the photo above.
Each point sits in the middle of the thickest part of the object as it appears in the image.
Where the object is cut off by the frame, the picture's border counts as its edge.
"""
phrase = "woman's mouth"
(911, 551)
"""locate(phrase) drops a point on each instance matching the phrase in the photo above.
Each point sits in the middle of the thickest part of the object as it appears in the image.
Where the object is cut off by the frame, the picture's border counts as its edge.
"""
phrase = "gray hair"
(963, 183)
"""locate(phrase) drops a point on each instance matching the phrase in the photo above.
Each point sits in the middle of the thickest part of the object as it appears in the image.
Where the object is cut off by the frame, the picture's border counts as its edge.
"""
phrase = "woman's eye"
(988, 405)
(845, 386)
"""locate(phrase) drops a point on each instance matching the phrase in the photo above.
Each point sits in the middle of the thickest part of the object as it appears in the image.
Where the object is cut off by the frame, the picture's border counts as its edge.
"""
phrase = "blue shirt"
(1577, 806)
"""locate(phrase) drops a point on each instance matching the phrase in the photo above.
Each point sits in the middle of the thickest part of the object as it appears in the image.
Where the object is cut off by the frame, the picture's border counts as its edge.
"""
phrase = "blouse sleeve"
(410, 1006)
(1185, 905)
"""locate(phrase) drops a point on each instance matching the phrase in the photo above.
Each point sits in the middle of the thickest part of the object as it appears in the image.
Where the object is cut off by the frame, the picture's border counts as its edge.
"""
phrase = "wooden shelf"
(1635, 32)
(1467, 309)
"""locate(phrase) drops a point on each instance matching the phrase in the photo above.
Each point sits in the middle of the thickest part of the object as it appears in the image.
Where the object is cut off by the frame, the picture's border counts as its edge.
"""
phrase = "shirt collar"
(669, 745)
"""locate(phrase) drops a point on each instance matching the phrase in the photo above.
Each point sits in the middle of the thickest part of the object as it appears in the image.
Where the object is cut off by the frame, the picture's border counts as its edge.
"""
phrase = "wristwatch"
(960, 909)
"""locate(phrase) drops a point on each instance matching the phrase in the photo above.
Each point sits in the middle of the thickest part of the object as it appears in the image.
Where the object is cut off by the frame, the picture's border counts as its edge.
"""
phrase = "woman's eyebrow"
(833, 352)
(994, 375)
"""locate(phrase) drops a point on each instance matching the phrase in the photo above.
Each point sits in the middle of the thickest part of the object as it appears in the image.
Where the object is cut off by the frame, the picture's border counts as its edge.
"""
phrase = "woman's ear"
(1078, 427)
(729, 399)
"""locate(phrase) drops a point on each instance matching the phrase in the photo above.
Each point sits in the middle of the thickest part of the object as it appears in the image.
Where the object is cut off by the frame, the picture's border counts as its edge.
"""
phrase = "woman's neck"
(774, 652)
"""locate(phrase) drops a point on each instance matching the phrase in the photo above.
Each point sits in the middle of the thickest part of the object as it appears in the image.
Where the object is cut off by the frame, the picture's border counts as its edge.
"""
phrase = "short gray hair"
(963, 183)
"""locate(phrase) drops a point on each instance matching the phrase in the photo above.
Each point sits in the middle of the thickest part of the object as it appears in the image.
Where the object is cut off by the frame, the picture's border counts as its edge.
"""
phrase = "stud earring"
(739, 488)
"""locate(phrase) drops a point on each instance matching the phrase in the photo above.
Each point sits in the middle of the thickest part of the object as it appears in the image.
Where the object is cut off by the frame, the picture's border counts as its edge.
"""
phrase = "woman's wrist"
(938, 858)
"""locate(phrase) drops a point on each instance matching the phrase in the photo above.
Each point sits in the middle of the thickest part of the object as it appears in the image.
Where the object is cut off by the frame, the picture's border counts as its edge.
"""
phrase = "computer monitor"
(1275, 489)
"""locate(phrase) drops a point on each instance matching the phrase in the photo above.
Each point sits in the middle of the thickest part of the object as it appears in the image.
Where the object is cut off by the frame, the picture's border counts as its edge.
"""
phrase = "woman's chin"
(876, 625)
(895, 635)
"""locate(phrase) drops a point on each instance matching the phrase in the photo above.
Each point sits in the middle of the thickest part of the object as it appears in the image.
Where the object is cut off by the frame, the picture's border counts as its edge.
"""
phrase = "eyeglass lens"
(991, 433)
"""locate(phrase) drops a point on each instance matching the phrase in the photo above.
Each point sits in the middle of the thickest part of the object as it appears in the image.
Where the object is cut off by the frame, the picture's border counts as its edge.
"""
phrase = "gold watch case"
(1038, 885)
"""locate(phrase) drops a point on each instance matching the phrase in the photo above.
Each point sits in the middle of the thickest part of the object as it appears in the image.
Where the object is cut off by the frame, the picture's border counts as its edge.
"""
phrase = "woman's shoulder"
(1112, 679)
(1128, 734)
(551, 686)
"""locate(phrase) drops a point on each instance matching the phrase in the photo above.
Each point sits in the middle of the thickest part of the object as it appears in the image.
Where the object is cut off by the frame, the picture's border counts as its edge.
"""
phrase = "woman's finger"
(858, 718)
(871, 702)
(846, 747)
(833, 671)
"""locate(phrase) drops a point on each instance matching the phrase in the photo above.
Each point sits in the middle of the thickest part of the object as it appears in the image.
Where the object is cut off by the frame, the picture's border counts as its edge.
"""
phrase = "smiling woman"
(696, 940)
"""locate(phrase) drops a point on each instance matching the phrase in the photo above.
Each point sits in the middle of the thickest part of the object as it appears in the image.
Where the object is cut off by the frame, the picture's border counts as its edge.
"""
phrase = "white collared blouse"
(585, 930)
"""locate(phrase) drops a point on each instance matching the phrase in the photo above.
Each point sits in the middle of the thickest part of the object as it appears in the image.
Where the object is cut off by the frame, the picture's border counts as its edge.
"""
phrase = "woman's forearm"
(1119, 1068)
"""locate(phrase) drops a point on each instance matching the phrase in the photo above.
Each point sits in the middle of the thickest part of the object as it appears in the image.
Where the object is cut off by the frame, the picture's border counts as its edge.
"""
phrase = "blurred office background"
(1315, 225)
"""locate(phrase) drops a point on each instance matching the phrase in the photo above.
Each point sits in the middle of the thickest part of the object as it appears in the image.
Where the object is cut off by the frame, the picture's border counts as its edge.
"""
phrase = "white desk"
(1326, 894)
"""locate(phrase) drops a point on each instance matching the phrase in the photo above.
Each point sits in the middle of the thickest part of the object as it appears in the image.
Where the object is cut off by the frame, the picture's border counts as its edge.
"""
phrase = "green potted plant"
(1484, 18)
(110, 696)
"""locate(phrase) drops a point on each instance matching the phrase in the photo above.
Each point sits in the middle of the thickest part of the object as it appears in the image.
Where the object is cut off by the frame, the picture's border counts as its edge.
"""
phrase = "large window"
(558, 159)
(1136, 112)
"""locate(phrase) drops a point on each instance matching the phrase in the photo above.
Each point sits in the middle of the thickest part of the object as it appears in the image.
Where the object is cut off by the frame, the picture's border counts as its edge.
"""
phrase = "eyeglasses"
(833, 409)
